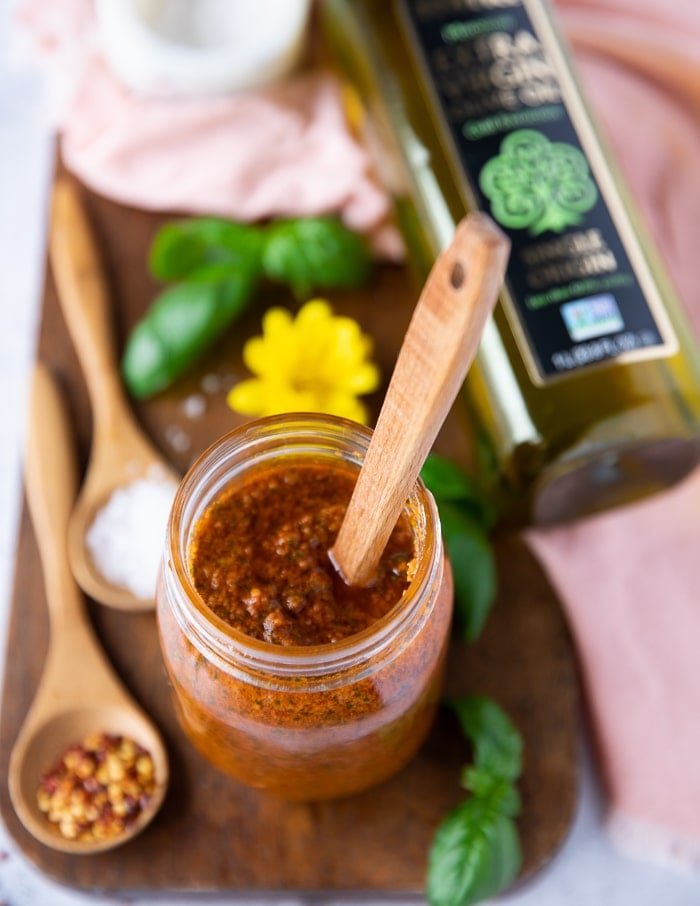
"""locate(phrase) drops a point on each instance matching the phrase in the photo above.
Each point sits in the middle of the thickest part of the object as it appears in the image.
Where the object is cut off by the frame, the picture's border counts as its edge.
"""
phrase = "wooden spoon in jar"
(79, 694)
(439, 346)
(120, 452)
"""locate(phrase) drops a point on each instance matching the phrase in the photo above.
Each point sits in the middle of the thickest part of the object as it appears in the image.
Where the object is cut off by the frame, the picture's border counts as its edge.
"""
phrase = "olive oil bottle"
(586, 388)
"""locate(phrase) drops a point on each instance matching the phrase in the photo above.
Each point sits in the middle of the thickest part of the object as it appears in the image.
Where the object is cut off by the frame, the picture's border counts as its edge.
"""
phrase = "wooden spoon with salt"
(439, 346)
(120, 452)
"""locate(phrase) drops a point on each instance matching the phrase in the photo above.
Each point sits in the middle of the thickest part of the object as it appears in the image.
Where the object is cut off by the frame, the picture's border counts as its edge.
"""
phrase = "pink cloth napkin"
(628, 580)
(283, 150)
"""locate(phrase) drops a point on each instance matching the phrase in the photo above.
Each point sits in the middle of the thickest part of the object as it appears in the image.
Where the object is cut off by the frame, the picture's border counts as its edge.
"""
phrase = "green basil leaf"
(186, 248)
(181, 324)
(222, 272)
(446, 479)
(502, 792)
(448, 482)
(475, 854)
(315, 253)
(473, 568)
(497, 744)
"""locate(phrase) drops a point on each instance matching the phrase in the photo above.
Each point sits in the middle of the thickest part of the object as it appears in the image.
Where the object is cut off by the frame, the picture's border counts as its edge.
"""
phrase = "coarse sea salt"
(127, 535)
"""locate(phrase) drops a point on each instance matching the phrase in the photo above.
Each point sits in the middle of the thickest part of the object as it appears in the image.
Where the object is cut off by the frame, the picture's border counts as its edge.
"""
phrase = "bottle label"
(578, 290)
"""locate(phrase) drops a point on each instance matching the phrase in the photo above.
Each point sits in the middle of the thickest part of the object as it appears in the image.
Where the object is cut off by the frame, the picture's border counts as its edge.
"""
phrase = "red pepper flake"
(98, 788)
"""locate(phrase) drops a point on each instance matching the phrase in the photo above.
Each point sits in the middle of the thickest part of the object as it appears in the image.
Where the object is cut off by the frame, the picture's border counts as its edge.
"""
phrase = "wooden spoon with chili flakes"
(79, 695)
(439, 346)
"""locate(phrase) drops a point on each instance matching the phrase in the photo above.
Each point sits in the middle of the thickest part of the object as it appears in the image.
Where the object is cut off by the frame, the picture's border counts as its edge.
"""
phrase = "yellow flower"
(316, 362)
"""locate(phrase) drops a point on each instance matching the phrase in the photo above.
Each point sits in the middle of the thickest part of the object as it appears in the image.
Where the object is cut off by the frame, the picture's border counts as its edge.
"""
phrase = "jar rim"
(280, 432)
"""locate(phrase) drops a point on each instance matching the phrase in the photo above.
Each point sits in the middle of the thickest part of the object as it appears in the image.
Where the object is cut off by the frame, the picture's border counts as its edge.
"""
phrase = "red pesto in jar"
(259, 559)
(329, 728)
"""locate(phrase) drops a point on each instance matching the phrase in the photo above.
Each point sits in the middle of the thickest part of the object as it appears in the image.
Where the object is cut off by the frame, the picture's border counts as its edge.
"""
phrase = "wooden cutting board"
(213, 834)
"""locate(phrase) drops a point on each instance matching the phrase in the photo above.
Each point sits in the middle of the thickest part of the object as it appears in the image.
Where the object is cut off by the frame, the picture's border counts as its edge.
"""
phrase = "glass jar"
(303, 722)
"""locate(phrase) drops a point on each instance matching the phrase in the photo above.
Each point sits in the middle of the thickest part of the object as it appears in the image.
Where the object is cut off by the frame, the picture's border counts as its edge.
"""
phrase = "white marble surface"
(587, 871)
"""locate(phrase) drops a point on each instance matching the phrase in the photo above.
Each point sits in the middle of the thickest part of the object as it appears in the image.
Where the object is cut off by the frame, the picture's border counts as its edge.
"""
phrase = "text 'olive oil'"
(586, 389)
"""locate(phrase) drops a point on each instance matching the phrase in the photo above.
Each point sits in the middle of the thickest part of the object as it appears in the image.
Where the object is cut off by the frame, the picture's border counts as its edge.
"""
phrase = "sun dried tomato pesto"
(301, 722)
(259, 558)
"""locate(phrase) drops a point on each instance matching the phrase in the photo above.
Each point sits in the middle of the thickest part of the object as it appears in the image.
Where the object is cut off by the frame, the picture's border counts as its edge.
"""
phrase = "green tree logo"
(537, 184)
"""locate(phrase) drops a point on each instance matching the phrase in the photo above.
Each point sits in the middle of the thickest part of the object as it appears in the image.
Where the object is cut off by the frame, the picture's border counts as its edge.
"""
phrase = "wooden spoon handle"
(51, 486)
(439, 346)
(83, 296)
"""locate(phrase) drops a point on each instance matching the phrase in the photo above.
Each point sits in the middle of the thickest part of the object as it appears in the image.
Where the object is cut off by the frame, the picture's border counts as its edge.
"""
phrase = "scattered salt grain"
(178, 439)
(211, 383)
(194, 406)
(127, 536)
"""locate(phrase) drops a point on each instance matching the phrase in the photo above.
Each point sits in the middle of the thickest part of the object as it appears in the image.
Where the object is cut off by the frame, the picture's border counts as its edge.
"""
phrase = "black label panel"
(571, 285)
